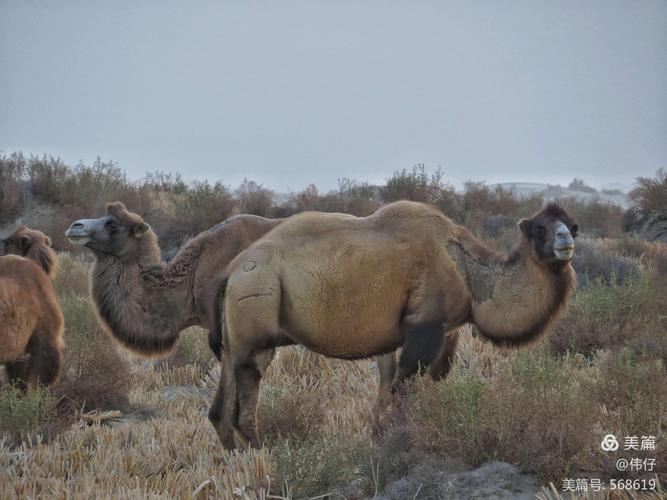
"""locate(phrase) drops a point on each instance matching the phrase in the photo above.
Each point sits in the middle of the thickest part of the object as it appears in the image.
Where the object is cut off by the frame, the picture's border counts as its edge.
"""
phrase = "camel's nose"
(80, 231)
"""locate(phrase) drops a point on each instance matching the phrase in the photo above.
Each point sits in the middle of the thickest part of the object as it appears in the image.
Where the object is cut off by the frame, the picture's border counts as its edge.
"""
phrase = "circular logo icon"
(609, 443)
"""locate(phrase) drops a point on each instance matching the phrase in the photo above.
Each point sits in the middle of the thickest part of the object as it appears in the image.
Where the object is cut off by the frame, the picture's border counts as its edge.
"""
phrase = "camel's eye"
(540, 231)
(112, 227)
(574, 231)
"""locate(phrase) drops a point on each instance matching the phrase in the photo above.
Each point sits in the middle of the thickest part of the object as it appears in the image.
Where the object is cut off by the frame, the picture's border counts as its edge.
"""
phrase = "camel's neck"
(514, 299)
(145, 304)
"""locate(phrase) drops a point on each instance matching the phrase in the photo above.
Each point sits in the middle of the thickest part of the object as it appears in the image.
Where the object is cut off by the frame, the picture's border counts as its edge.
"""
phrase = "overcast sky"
(292, 93)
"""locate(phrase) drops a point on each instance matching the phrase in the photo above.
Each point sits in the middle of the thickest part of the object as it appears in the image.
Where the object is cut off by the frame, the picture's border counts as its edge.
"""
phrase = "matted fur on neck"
(515, 300)
(146, 303)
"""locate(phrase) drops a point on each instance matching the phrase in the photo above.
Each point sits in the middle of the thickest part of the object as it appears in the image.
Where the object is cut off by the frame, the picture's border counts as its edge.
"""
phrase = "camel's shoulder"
(16, 262)
(21, 269)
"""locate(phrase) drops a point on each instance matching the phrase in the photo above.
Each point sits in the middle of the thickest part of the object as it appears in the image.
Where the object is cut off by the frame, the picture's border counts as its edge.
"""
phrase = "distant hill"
(610, 194)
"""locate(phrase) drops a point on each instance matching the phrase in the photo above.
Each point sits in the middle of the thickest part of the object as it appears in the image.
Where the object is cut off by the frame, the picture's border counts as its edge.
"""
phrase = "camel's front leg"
(387, 366)
(442, 363)
(429, 348)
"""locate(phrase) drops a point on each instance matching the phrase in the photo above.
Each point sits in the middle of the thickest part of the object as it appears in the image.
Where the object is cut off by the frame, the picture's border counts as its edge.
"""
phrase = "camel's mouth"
(79, 232)
(564, 253)
(78, 240)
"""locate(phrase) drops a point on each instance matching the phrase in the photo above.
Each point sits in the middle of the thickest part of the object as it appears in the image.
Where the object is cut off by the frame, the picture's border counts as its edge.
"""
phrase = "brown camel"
(405, 276)
(145, 302)
(31, 323)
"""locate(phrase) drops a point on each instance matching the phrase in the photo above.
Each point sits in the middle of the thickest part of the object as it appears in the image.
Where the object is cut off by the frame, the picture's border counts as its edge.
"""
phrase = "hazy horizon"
(297, 93)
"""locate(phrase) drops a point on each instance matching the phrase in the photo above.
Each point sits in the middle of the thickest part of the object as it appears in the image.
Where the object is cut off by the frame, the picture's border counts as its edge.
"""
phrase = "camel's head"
(33, 245)
(550, 234)
(119, 233)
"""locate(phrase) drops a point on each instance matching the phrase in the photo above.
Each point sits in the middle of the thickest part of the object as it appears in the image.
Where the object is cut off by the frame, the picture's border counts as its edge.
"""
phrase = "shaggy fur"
(145, 302)
(31, 323)
(353, 287)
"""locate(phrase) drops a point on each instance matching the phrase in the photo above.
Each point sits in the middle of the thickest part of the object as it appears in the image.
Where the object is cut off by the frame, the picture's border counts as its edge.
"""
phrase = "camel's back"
(399, 220)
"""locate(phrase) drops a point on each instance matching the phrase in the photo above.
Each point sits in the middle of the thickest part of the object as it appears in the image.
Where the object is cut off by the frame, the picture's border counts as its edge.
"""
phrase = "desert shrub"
(632, 396)
(352, 197)
(358, 198)
(650, 254)
(95, 375)
(593, 263)
(595, 218)
(531, 413)
(480, 199)
(204, 205)
(12, 198)
(332, 464)
(192, 349)
(545, 413)
(651, 192)
(252, 198)
(24, 414)
(290, 411)
(72, 277)
(418, 185)
(609, 315)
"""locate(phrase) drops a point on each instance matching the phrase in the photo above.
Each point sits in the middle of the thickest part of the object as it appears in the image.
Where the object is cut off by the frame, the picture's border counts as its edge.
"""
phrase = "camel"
(406, 276)
(31, 323)
(144, 302)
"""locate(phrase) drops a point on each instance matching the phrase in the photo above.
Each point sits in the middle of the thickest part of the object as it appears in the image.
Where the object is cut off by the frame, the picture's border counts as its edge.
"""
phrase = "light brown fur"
(31, 323)
(353, 287)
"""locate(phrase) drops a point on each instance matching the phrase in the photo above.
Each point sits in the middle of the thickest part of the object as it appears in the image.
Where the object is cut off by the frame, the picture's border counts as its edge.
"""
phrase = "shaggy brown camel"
(31, 323)
(145, 302)
(351, 288)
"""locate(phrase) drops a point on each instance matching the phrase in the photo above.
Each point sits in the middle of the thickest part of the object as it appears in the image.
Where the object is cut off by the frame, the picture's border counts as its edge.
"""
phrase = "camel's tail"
(216, 319)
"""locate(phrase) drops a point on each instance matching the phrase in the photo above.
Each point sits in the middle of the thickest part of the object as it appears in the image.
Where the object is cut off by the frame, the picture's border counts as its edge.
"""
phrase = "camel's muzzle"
(564, 243)
(79, 232)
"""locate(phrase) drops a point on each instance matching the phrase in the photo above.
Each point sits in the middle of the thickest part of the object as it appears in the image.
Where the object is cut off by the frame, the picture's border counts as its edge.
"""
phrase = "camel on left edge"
(31, 323)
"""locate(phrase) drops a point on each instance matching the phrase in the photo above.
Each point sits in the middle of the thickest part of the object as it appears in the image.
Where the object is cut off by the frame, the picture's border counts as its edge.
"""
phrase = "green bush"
(417, 185)
(192, 349)
(24, 414)
(610, 316)
(333, 465)
(96, 376)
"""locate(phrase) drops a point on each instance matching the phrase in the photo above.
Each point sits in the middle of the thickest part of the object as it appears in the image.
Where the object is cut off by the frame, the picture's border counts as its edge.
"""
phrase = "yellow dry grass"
(177, 454)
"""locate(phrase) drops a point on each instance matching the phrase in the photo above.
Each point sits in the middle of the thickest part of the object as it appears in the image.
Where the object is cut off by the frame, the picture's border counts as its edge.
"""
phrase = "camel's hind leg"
(41, 363)
(222, 413)
(248, 378)
(252, 304)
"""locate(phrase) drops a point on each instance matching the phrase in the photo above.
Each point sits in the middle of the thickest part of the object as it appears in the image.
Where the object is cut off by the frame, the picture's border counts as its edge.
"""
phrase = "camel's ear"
(49, 243)
(25, 245)
(140, 229)
(526, 227)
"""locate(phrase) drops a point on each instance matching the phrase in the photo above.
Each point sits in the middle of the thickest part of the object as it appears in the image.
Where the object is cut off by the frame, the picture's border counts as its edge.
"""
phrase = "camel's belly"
(345, 307)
